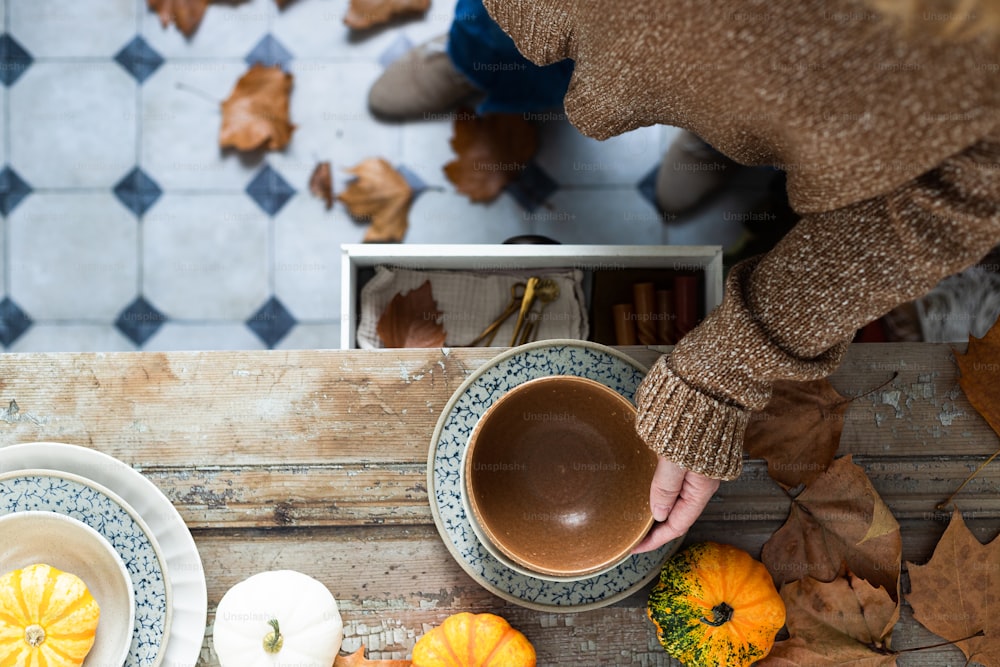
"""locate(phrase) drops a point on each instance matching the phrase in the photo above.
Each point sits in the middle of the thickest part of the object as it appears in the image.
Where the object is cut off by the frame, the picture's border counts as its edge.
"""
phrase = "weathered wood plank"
(230, 408)
(394, 583)
(316, 461)
(369, 494)
(305, 495)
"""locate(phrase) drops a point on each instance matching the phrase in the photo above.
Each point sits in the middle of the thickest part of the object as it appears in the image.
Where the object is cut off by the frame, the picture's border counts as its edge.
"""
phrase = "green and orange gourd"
(715, 606)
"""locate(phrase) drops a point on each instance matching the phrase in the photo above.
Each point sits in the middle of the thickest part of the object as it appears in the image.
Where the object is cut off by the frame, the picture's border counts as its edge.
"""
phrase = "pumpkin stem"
(34, 635)
(274, 640)
(722, 613)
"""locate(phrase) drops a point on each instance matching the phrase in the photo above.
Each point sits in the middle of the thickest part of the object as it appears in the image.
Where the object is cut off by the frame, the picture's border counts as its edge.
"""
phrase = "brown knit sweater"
(892, 149)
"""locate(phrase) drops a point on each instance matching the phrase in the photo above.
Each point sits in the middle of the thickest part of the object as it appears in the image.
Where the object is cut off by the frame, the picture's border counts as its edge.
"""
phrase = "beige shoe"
(421, 83)
(690, 173)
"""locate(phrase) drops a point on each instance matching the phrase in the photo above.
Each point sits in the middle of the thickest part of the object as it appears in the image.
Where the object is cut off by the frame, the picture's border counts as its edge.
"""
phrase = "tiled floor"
(125, 227)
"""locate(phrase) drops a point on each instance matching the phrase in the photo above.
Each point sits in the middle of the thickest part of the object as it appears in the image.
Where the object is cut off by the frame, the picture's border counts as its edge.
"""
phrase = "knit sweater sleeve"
(791, 313)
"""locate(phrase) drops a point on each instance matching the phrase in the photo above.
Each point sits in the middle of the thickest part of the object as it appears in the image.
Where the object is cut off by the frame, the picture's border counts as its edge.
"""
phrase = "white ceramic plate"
(187, 576)
(73, 496)
(62, 542)
(479, 391)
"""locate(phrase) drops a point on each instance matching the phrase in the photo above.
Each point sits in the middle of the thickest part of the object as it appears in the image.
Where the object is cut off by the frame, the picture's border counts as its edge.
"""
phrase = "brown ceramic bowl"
(557, 478)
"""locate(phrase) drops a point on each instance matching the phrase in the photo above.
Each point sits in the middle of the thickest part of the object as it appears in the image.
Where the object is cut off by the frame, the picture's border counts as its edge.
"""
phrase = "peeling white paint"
(12, 415)
(946, 416)
(891, 398)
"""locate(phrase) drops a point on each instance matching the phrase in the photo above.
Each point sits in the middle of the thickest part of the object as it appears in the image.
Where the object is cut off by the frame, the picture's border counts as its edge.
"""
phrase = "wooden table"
(316, 461)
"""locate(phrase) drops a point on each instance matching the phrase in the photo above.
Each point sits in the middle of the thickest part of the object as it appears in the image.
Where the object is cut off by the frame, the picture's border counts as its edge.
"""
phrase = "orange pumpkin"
(47, 617)
(473, 640)
(715, 605)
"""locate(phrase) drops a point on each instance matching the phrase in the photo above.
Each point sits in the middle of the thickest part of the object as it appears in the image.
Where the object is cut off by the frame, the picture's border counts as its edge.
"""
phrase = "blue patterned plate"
(467, 405)
(102, 510)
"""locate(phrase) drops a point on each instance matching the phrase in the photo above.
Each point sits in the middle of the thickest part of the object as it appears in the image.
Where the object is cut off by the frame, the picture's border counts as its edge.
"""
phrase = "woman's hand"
(677, 498)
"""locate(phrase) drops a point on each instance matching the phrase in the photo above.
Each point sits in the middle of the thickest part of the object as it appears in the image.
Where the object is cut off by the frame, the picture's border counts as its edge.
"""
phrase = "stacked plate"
(464, 539)
(138, 522)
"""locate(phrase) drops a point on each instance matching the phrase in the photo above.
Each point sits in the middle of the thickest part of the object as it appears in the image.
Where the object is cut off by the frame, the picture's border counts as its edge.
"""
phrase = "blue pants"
(487, 56)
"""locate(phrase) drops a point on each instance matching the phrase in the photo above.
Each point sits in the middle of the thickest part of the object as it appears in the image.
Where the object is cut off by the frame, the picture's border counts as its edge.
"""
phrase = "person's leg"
(484, 53)
(690, 173)
(476, 56)
(421, 83)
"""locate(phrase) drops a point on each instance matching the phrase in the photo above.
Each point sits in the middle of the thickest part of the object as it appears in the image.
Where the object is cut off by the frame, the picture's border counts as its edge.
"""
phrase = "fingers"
(656, 538)
(668, 479)
(694, 496)
(677, 499)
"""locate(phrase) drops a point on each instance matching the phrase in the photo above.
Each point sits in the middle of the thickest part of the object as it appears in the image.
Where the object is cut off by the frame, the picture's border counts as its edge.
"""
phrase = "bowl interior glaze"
(558, 479)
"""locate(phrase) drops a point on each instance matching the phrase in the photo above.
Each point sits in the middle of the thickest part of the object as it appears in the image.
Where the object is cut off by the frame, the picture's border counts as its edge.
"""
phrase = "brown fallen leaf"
(365, 14)
(358, 659)
(800, 653)
(412, 320)
(492, 151)
(980, 367)
(798, 432)
(956, 594)
(382, 194)
(838, 523)
(255, 114)
(185, 14)
(846, 621)
(321, 183)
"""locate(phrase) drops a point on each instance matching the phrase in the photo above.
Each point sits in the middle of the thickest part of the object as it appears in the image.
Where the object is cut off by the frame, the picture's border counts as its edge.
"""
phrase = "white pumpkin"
(280, 618)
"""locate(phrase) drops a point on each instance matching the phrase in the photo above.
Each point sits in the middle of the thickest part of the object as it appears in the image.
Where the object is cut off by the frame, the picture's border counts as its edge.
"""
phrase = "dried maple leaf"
(321, 184)
(185, 14)
(492, 151)
(957, 593)
(846, 621)
(255, 114)
(365, 14)
(358, 659)
(799, 653)
(838, 523)
(382, 194)
(980, 366)
(412, 320)
(798, 432)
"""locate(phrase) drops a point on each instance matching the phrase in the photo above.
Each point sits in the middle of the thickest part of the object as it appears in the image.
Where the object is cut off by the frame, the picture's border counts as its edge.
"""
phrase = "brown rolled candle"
(624, 315)
(665, 317)
(685, 304)
(644, 298)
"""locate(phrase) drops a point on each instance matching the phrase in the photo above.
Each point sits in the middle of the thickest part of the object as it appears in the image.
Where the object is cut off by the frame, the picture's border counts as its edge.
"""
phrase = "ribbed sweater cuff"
(692, 429)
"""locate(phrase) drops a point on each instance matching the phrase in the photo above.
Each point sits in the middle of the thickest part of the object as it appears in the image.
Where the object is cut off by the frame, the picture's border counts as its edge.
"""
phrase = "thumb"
(668, 479)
